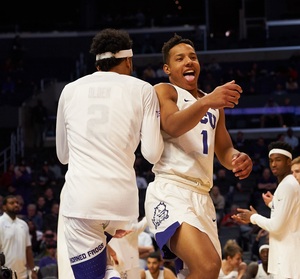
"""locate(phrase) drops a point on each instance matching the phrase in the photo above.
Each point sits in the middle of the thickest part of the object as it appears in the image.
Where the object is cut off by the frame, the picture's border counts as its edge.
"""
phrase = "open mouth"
(189, 76)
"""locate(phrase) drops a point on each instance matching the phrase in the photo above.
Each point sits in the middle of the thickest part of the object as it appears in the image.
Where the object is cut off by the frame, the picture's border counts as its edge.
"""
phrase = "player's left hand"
(242, 165)
(121, 233)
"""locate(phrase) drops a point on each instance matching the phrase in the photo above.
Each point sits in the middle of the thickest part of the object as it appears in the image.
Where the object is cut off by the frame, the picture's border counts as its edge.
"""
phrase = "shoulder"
(252, 269)
(143, 274)
(168, 273)
(135, 81)
(167, 91)
(289, 180)
(22, 222)
(164, 85)
(165, 88)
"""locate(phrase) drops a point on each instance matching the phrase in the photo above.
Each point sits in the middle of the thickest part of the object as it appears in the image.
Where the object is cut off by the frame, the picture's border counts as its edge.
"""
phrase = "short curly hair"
(110, 40)
(281, 145)
(174, 41)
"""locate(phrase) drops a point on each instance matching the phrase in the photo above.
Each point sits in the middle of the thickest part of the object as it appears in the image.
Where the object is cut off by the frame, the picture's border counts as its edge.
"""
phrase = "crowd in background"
(38, 178)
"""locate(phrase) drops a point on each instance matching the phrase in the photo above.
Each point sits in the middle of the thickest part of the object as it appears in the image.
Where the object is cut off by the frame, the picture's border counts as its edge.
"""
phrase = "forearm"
(29, 258)
(182, 121)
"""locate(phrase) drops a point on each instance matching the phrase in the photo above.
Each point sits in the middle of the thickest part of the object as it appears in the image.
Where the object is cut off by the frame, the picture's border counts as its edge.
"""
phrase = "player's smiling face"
(183, 68)
(279, 165)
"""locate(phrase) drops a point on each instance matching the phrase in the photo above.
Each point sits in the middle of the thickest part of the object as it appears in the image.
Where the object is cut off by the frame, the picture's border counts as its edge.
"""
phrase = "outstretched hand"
(226, 95)
(243, 215)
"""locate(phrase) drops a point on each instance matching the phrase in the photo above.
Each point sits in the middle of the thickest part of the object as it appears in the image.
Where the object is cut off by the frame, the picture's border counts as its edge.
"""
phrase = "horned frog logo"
(160, 214)
(123, 275)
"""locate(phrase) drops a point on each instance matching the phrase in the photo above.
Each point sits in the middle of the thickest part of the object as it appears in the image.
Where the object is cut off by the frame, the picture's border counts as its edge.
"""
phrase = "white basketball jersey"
(160, 275)
(191, 155)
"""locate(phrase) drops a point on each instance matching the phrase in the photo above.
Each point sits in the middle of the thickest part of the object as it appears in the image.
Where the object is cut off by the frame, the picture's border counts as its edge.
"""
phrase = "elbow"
(173, 129)
(174, 133)
(152, 153)
(63, 159)
(153, 157)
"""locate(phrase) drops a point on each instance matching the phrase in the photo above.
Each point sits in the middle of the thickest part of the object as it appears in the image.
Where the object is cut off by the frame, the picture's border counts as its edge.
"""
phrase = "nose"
(188, 60)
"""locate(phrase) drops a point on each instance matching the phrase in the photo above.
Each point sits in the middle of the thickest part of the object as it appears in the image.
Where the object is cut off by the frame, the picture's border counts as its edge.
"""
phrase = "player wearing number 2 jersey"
(178, 207)
(101, 119)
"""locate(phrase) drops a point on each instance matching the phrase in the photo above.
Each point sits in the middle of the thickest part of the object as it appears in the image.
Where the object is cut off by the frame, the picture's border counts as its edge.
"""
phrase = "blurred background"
(45, 44)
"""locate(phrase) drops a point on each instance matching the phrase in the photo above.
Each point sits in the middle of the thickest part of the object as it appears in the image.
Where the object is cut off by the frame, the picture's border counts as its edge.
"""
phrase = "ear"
(129, 62)
(166, 69)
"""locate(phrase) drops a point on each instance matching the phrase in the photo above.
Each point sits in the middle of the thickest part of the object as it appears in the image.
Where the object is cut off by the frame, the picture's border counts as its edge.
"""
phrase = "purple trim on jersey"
(178, 265)
(162, 239)
(108, 237)
(91, 269)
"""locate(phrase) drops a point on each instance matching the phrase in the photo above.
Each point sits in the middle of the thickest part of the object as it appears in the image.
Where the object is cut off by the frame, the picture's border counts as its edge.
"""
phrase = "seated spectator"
(261, 237)
(291, 139)
(265, 182)
(272, 117)
(259, 269)
(22, 182)
(36, 238)
(160, 73)
(145, 247)
(244, 229)
(50, 256)
(8, 88)
(45, 176)
(291, 85)
(233, 266)
(226, 184)
(156, 269)
(148, 73)
(48, 237)
(33, 216)
(259, 151)
(288, 115)
(50, 199)
(219, 202)
(41, 206)
(240, 143)
(50, 220)
(6, 179)
(279, 89)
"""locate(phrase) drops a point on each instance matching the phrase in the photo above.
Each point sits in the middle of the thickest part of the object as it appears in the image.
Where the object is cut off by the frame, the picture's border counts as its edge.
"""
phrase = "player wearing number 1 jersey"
(178, 207)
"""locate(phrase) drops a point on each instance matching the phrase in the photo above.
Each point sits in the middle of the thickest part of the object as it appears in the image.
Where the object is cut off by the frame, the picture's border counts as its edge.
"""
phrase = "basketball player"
(101, 119)
(259, 269)
(179, 210)
(284, 223)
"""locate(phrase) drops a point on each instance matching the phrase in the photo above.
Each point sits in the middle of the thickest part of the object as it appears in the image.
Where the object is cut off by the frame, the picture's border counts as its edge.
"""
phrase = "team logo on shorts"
(160, 213)
(123, 274)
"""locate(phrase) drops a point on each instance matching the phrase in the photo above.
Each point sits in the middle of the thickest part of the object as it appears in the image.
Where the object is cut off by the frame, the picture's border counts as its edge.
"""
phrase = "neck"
(11, 215)
(155, 274)
(280, 178)
(227, 267)
(265, 266)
